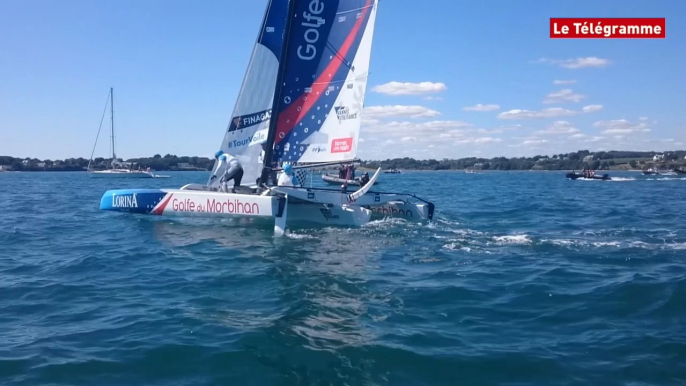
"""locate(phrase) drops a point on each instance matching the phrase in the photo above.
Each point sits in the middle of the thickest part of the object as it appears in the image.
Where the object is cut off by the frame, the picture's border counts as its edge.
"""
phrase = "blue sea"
(524, 278)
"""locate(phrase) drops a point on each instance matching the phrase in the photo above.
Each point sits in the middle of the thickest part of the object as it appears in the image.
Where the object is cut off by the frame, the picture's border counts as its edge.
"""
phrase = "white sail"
(327, 65)
(250, 119)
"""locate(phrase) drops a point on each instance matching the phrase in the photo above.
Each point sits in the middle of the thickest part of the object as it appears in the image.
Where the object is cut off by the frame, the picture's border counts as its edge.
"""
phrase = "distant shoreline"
(606, 161)
(359, 169)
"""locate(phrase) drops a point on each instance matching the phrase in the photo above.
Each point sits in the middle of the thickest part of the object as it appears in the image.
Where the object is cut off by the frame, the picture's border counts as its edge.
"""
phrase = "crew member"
(287, 178)
(364, 179)
(233, 171)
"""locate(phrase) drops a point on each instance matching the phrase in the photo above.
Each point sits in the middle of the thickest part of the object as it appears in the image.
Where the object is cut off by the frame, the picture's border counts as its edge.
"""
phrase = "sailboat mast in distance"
(114, 156)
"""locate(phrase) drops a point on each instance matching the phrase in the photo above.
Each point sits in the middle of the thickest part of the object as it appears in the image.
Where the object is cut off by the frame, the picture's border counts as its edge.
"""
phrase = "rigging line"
(99, 128)
(333, 48)
(338, 55)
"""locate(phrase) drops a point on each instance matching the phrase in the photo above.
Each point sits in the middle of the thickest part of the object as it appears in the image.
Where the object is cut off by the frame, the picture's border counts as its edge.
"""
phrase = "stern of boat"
(423, 211)
(302, 213)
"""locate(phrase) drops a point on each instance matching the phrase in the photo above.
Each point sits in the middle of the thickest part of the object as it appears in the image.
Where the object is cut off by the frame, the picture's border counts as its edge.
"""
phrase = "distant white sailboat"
(118, 169)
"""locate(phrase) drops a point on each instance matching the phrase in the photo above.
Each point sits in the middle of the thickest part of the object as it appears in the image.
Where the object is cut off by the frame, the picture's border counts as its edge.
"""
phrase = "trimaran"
(300, 102)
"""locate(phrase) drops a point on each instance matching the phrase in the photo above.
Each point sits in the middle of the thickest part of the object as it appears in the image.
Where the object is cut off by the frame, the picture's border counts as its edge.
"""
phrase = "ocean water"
(525, 278)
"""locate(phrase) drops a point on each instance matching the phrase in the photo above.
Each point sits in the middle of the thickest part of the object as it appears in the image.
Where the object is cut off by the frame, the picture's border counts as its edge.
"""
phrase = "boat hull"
(118, 174)
(197, 203)
(304, 214)
(574, 176)
(400, 209)
(177, 202)
(381, 204)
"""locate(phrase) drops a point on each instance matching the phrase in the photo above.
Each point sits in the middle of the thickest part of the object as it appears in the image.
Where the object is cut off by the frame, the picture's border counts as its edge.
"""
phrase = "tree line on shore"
(602, 160)
(156, 162)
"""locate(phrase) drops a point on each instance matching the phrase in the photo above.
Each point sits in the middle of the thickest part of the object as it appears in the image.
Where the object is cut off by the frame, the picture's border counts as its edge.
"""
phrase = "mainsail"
(249, 123)
(326, 63)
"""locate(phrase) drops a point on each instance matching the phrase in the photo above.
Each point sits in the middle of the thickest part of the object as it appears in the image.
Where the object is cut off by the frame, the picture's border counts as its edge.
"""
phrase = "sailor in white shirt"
(286, 178)
(233, 171)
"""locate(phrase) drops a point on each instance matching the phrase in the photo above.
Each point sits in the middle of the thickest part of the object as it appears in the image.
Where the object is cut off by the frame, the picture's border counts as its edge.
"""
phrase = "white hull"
(120, 174)
(297, 212)
(194, 203)
(317, 214)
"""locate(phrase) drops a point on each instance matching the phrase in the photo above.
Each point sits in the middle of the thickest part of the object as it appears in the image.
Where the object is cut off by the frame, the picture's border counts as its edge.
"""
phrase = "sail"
(249, 122)
(324, 80)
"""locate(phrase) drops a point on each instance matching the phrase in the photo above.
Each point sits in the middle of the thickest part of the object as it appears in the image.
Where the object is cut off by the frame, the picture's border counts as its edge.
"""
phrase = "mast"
(114, 156)
(271, 135)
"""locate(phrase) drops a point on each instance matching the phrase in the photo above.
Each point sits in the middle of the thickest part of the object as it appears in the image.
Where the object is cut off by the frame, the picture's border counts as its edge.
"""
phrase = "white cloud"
(585, 138)
(643, 118)
(479, 140)
(592, 108)
(558, 82)
(399, 88)
(375, 112)
(433, 98)
(500, 129)
(366, 121)
(559, 127)
(480, 107)
(530, 142)
(622, 126)
(552, 112)
(490, 131)
(435, 138)
(444, 124)
(577, 63)
(562, 96)
(526, 114)
(428, 130)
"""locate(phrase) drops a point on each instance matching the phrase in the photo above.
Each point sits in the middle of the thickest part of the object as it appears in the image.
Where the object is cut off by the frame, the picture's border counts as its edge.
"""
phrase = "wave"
(512, 239)
(666, 179)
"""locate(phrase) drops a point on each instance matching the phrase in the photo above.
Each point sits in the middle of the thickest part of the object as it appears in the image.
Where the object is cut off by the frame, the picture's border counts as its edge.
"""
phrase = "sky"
(448, 78)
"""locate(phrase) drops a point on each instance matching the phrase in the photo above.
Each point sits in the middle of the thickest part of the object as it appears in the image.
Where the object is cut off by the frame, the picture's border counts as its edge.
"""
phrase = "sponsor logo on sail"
(124, 201)
(245, 121)
(250, 140)
(312, 21)
(318, 149)
(342, 145)
(343, 113)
